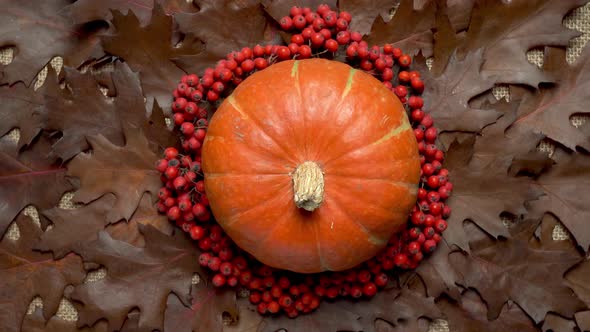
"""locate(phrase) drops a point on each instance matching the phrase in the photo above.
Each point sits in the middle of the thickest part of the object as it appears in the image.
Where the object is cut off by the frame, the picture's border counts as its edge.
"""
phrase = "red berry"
(380, 64)
(306, 33)
(226, 268)
(212, 96)
(363, 276)
(331, 45)
(318, 24)
(366, 65)
(444, 192)
(363, 52)
(404, 76)
(317, 39)
(170, 153)
(297, 39)
(427, 121)
(429, 246)
(429, 232)
(341, 24)
(274, 307)
(414, 232)
(415, 102)
(387, 74)
(330, 19)
(187, 128)
(433, 181)
(304, 52)
(262, 308)
(417, 218)
(204, 259)
(197, 232)
(400, 91)
(352, 51)
(286, 23)
(433, 196)
(369, 289)
(293, 48)
(417, 84)
(413, 247)
(440, 225)
(161, 165)
(405, 61)
(173, 213)
(255, 297)
(247, 65)
(283, 53)
(284, 282)
(355, 36)
(435, 209)
(295, 11)
(285, 301)
(417, 115)
(184, 205)
(226, 254)
(400, 260)
(171, 172)
(310, 17)
(381, 280)
(266, 296)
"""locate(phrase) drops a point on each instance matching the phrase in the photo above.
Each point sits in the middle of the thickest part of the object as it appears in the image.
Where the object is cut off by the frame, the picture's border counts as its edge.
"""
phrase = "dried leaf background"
(515, 254)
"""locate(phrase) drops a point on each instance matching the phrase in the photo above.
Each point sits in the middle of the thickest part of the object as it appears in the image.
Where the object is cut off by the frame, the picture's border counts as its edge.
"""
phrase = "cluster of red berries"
(323, 33)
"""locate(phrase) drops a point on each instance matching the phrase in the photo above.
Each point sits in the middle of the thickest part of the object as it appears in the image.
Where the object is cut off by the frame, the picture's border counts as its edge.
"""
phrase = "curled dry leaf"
(82, 110)
(410, 29)
(205, 312)
(27, 273)
(549, 111)
(224, 26)
(515, 270)
(508, 29)
(137, 278)
(127, 172)
(583, 320)
(578, 279)
(566, 189)
(557, 323)
(72, 228)
(481, 193)
(437, 273)
(152, 52)
(83, 11)
(446, 97)
(35, 322)
(30, 179)
(470, 314)
(446, 41)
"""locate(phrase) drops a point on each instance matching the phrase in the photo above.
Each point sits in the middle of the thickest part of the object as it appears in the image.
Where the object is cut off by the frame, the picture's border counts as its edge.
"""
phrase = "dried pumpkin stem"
(308, 186)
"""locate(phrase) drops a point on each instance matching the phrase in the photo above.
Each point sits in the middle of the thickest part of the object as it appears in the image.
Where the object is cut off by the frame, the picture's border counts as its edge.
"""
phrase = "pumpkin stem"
(308, 186)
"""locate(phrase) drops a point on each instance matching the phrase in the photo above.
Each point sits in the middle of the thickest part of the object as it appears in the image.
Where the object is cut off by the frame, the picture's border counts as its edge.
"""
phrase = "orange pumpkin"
(311, 166)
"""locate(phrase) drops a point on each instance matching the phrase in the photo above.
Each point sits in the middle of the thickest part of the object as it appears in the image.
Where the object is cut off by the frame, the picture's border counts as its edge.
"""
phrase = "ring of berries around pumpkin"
(321, 33)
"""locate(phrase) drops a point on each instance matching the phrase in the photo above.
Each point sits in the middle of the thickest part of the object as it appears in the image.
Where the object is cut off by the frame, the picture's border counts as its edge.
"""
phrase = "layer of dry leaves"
(488, 275)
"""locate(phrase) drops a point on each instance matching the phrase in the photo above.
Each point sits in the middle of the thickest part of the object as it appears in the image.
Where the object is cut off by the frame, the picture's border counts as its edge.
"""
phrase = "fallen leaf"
(583, 320)
(127, 172)
(438, 274)
(157, 131)
(556, 323)
(364, 13)
(482, 193)
(578, 279)
(206, 310)
(225, 26)
(409, 29)
(565, 187)
(82, 110)
(27, 273)
(446, 41)
(31, 179)
(447, 96)
(35, 322)
(137, 278)
(459, 12)
(515, 270)
(39, 32)
(549, 111)
(508, 29)
(21, 108)
(83, 11)
(152, 52)
(470, 314)
(73, 227)
(146, 214)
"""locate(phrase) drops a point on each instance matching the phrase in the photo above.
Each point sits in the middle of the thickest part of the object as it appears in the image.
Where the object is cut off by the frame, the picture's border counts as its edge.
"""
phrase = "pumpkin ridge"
(332, 173)
(403, 127)
(407, 185)
(323, 264)
(235, 105)
(219, 175)
(372, 238)
(236, 217)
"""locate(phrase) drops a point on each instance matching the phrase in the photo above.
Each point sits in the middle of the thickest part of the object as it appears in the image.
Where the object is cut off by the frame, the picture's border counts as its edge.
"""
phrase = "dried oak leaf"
(83, 11)
(517, 270)
(137, 278)
(29, 179)
(578, 279)
(127, 172)
(364, 13)
(470, 314)
(73, 227)
(481, 193)
(566, 189)
(38, 32)
(508, 29)
(555, 323)
(583, 320)
(459, 12)
(446, 41)
(437, 273)
(146, 214)
(81, 110)
(447, 96)
(549, 111)
(27, 273)
(410, 29)
(206, 310)
(224, 26)
(21, 108)
(35, 322)
(152, 52)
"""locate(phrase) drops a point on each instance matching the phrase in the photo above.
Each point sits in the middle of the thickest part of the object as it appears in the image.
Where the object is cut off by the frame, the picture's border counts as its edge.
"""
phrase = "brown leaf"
(205, 313)
(445, 41)
(151, 53)
(583, 320)
(459, 12)
(127, 172)
(146, 214)
(409, 29)
(578, 279)
(364, 13)
(27, 273)
(82, 110)
(39, 32)
(137, 278)
(508, 29)
(35, 322)
(225, 26)
(515, 270)
(470, 314)
(83, 11)
(21, 108)
(556, 323)
(72, 228)
(566, 192)
(549, 111)
(446, 97)
(30, 179)
(157, 131)
(438, 274)
(481, 193)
